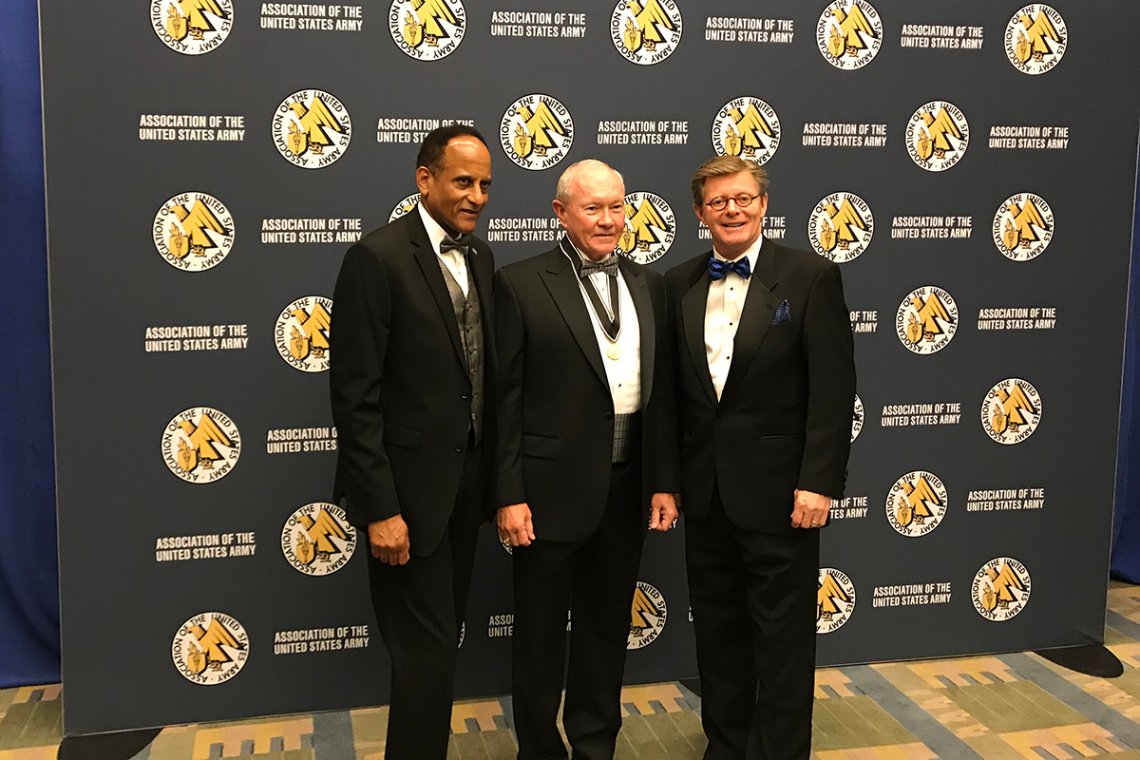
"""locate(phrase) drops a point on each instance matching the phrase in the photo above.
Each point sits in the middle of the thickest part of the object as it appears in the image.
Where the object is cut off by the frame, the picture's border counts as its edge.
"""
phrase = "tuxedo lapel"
(481, 272)
(647, 324)
(759, 306)
(561, 279)
(693, 306)
(429, 264)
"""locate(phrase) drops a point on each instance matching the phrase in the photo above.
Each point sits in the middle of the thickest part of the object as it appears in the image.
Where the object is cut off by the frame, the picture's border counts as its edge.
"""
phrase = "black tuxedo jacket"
(401, 397)
(784, 417)
(555, 407)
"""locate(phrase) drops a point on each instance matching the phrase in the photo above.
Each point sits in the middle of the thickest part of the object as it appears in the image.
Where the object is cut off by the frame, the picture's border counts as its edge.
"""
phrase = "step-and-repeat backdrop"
(969, 164)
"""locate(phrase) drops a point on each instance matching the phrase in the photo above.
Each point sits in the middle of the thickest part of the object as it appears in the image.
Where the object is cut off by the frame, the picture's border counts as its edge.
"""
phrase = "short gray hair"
(587, 165)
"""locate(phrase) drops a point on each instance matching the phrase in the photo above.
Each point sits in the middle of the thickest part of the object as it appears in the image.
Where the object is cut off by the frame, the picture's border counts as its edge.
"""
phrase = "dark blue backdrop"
(29, 610)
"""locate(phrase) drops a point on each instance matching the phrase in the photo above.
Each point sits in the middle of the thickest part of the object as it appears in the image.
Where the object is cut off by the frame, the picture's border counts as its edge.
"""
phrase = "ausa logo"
(1001, 589)
(835, 600)
(649, 227)
(1036, 38)
(192, 27)
(302, 333)
(916, 503)
(427, 30)
(404, 207)
(317, 539)
(646, 33)
(927, 320)
(849, 34)
(857, 419)
(210, 648)
(747, 127)
(193, 232)
(536, 132)
(840, 227)
(201, 445)
(1011, 411)
(647, 616)
(1023, 227)
(311, 129)
(937, 136)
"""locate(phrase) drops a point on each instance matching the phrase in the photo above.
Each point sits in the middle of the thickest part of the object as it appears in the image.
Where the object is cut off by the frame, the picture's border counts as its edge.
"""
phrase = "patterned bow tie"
(452, 244)
(608, 265)
(719, 269)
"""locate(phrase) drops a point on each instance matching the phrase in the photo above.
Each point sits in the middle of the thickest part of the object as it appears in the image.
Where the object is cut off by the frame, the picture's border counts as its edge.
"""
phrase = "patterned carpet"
(1007, 707)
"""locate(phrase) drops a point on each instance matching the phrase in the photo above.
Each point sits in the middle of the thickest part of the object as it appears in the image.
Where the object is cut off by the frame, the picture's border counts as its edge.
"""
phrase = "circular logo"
(916, 503)
(192, 27)
(1011, 411)
(536, 132)
(927, 320)
(193, 232)
(1036, 38)
(646, 34)
(317, 539)
(857, 419)
(427, 31)
(201, 445)
(835, 600)
(210, 648)
(311, 129)
(1000, 589)
(1023, 227)
(849, 34)
(937, 136)
(746, 127)
(404, 207)
(647, 616)
(840, 227)
(302, 333)
(649, 227)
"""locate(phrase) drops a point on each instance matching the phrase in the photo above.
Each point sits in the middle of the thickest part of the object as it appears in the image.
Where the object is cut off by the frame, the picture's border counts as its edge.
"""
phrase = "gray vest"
(468, 315)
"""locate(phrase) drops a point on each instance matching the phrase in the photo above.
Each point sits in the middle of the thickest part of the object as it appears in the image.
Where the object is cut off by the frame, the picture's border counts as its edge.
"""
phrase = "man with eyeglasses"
(764, 381)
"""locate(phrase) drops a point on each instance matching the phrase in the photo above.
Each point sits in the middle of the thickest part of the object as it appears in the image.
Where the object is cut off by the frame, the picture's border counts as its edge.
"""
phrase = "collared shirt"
(722, 316)
(624, 373)
(453, 260)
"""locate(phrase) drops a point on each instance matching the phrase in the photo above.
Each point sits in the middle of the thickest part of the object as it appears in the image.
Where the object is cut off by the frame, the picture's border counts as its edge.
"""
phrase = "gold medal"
(614, 351)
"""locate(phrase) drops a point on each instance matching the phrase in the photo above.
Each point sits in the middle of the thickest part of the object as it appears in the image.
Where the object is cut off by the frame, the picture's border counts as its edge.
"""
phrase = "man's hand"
(389, 540)
(515, 526)
(662, 511)
(810, 510)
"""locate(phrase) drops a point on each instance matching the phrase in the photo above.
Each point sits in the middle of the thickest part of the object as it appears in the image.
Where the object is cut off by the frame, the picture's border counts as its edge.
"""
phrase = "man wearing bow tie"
(412, 378)
(764, 378)
(579, 477)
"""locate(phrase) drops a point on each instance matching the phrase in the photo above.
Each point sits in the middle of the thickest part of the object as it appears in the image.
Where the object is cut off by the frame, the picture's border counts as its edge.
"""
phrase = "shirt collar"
(751, 254)
(435, 232)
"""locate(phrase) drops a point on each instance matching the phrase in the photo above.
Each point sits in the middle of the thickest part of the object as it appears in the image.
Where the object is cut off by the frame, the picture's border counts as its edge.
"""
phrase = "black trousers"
(754, 600)
(419, 610)
(594, 580)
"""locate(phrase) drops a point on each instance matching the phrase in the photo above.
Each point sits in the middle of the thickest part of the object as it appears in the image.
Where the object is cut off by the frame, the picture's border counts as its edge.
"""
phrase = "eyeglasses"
(744, 200)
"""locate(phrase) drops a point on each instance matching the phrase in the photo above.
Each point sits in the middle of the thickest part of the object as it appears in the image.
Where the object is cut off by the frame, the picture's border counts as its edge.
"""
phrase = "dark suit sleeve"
(663, 405)
(830, 353)
(358, 342)
(510, 345)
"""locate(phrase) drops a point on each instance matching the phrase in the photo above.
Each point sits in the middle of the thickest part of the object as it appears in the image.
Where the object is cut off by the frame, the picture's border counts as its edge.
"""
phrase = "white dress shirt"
(624, 373)
(722, 316)
(453, 260)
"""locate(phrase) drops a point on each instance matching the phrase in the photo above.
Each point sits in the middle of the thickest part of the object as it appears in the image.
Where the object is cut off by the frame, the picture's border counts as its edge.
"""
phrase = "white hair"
(588, 165)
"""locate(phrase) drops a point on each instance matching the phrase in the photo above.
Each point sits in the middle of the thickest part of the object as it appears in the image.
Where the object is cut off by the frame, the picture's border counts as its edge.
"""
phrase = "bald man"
(578, 482)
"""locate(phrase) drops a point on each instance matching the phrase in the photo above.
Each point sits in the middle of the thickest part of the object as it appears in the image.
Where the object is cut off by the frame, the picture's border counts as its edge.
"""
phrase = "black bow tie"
(459, 244)
(608, 265)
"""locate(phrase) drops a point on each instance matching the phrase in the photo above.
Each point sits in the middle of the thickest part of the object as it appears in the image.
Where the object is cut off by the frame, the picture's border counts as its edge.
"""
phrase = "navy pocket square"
(783, 313)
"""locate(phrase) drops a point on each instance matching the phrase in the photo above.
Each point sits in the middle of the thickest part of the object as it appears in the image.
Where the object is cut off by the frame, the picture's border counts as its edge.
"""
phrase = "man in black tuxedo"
(412, 378)
(765, 385)
(578, 475)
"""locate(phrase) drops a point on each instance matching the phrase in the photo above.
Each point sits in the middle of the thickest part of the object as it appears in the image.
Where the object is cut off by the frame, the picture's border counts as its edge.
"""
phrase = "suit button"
(609, 415)
(465, 396)
(458, 449)
(719, 412)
